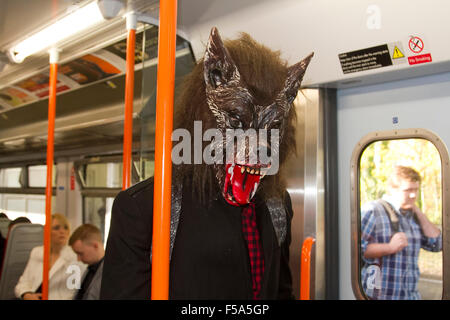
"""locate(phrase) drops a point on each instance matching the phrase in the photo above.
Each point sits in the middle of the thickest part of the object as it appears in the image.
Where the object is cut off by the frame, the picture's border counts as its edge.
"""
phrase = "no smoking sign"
(415, 44)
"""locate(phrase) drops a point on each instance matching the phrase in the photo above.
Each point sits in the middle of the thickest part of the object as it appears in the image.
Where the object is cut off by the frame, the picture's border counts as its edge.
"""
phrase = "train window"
(145, 168)
(31, 206)
(185, 63)
(397, 215)
(97, 211)
(10, 177)
(37, 176)
(103, 175)
(100, 179)
(22, 192)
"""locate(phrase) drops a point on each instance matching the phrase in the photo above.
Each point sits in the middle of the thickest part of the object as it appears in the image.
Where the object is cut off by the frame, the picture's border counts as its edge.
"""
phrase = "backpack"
(392, 215)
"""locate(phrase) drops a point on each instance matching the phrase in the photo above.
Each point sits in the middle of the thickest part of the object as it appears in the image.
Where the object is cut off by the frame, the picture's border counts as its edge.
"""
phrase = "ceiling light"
(78, 20)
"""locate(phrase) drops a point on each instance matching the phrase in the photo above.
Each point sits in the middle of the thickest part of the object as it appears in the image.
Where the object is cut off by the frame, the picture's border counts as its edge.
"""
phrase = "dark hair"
(19, 220)
(3, 215)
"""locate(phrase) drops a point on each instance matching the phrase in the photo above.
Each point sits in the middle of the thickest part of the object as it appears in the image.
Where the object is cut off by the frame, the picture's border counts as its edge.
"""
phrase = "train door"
(395, 111)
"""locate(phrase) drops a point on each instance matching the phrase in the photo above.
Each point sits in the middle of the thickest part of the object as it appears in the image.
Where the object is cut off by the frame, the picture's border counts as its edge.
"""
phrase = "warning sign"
(397, 53)
(423, 58)
(416, 44)
(365, 59)
(409, 51)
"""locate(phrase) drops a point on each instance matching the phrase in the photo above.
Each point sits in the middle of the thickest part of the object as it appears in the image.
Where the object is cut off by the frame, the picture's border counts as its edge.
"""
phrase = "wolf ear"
(294, 78)
(219, 67)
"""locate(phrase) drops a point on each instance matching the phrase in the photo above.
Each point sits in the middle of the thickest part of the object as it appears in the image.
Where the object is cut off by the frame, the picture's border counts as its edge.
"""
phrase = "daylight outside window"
(401, 220)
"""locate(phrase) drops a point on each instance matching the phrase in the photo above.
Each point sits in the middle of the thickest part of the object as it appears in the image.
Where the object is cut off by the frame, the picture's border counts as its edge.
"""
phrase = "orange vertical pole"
(163, 149)
(129, 95)
(305, 269)
(48, 189)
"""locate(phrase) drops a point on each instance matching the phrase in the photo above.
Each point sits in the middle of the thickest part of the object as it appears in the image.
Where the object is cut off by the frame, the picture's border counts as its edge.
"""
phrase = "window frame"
(414, 133)
(25, 183)
(86, 191)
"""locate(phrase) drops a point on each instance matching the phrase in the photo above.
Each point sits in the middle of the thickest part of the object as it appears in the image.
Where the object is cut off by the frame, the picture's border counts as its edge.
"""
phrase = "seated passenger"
(3, 241)
(2, 250)
(86, 242)
(16, 221)
(62, 262)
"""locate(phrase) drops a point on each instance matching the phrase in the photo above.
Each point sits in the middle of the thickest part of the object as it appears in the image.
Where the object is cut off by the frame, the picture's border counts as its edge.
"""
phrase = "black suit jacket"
(209, 259)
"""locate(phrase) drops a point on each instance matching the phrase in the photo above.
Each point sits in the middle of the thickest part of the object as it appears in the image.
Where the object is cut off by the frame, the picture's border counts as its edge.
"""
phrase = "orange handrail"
(305, 268)
(163, 149)
(48, 188)
(128, 119)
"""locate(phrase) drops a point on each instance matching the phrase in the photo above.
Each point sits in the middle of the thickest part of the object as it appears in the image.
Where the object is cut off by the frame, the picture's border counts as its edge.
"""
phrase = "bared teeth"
(255, 171)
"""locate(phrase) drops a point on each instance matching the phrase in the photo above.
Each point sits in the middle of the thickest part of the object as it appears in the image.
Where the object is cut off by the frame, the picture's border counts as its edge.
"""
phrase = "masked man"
(230, 214)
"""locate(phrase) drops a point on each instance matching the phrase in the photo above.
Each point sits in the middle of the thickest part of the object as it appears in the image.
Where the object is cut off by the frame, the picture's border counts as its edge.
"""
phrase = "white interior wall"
(327, 27)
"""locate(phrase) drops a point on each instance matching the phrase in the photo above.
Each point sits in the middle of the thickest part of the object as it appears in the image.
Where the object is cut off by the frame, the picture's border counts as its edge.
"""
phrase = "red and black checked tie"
(251, 236)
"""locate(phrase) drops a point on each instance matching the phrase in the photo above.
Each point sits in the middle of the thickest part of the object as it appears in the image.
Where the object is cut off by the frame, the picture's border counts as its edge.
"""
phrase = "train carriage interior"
(373, 98)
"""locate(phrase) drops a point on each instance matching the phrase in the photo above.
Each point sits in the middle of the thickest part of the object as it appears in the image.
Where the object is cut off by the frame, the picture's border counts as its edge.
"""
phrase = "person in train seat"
(3, 216)
(393, 231)
(2, 251)
(4, 241)
(17, 221)
(63, 267)
(86, 242)
(230, 224)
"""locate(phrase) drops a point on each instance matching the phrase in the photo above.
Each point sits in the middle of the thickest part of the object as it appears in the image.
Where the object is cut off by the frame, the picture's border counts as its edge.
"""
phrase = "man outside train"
(393, 231)
(86, 242)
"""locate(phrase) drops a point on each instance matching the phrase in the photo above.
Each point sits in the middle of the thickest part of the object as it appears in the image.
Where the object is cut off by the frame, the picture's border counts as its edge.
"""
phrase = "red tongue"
(242, 184)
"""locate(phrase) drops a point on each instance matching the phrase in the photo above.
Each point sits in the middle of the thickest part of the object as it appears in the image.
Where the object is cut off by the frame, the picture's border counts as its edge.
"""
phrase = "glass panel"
(401, 220)
(10, 177)
(103, 175)
(97, 211)
(37, 176)
(146, 168)
(25, 205)
(147, 115)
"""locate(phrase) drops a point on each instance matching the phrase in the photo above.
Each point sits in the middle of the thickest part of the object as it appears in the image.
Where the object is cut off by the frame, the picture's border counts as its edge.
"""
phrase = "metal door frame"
(417, 133)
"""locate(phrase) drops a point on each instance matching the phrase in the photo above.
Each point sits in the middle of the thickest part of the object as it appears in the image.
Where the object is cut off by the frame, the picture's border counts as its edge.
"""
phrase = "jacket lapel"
(60, 263)
(268, 240)
(96, 280)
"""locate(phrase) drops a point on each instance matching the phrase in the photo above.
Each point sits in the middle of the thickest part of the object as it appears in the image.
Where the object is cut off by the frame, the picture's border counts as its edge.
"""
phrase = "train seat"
(22, 238)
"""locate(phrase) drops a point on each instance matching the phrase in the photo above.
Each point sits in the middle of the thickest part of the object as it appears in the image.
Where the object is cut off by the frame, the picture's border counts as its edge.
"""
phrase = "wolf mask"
(238, 87)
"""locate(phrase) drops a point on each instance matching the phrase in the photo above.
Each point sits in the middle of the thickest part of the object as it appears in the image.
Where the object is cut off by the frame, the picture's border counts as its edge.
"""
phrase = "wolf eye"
(235, 122)
(275, 125)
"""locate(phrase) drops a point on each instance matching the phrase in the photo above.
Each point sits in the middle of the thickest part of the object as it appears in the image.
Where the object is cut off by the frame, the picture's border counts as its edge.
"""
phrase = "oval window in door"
(398, 201)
